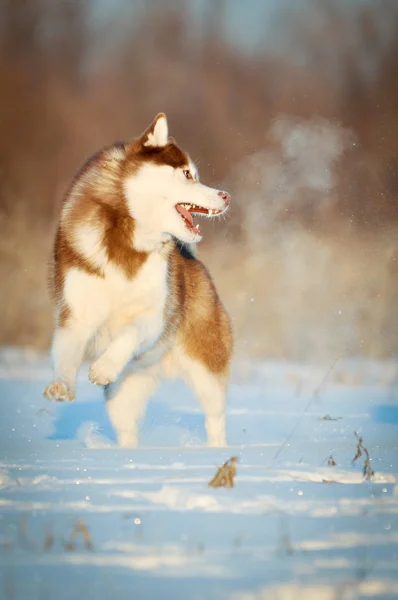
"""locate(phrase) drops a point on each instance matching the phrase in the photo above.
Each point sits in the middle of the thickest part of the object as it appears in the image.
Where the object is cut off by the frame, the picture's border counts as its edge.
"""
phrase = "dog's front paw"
(103, 371)
(59, 391)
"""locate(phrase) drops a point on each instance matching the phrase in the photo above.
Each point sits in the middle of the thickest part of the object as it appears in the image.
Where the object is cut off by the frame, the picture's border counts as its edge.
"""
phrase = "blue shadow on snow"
(72, 416)
(386, 414)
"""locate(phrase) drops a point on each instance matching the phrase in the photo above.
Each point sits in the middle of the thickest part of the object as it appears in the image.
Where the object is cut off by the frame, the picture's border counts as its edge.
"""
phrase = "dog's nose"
(225, 196)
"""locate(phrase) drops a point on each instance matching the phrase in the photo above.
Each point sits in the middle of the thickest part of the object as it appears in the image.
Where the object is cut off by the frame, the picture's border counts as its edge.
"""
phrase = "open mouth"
(186, 211)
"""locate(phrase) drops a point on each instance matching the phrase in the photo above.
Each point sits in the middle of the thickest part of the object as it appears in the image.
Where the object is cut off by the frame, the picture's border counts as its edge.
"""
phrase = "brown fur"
(97, 199)
(170, 155)
(193, 313)
(64, 258)
(204, 329)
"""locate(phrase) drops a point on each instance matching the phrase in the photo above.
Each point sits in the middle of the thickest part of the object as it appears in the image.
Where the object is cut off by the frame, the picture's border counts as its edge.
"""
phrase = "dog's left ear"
(157, 134)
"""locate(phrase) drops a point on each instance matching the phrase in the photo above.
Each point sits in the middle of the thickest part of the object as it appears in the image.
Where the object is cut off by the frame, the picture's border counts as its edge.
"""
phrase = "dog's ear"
(157, 134)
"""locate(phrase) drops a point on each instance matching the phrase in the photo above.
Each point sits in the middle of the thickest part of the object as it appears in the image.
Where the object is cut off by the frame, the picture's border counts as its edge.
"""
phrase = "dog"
(128, 289)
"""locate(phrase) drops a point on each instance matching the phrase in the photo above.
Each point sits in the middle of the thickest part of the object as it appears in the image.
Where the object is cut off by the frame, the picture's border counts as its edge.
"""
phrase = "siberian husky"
(129, 291)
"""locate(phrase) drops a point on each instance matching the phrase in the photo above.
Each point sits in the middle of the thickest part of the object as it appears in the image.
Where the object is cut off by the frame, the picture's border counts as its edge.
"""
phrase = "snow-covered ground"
(148, 524)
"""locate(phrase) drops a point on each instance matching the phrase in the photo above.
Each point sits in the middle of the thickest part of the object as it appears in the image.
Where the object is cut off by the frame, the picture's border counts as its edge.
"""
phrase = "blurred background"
(292, 106)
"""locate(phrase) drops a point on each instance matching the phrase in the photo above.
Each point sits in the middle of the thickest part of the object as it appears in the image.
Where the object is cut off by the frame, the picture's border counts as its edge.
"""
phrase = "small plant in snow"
(80, 529)
(331, 461)
(48, 539)
(329, 418)
(368, 472)
(225, 474)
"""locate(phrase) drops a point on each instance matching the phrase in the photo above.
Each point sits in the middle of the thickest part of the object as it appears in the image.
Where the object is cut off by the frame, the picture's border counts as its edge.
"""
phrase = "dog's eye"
(188, 174)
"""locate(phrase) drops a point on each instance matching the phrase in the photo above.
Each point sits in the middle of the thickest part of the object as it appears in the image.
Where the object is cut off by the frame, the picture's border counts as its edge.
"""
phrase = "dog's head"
(163, 189)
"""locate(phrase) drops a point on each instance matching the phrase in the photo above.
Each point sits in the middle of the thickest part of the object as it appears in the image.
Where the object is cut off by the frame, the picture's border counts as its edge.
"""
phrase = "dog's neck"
(148, 241)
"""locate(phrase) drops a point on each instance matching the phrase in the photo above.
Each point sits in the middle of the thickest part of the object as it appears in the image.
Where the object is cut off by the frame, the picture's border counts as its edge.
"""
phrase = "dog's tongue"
(185, 213)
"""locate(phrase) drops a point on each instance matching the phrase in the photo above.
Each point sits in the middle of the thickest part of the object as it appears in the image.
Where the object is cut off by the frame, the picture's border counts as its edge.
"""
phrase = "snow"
(292, 527)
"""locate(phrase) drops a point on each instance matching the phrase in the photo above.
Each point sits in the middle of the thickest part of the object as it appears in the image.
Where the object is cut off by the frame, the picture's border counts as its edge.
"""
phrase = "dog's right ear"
(157, 134)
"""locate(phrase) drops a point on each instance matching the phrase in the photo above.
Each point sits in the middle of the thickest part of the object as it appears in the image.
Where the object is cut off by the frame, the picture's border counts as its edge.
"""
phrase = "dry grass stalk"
(9, 587)
(331, 461)
(48, 538)
(329, 418)
(24, 539)
(80, 529)
(225, 474)
(319, 388)
(368, 472)
(43, 411)
(286, 547)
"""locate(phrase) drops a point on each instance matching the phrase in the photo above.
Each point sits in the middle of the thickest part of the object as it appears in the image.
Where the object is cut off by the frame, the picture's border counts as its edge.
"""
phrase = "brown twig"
(43, 411)
(80, 528)
(23, 535)
(331, 461)
(368, 472)
(332, 366)
(48, 538)
(329, 418)
(314, 395)
(225, 474)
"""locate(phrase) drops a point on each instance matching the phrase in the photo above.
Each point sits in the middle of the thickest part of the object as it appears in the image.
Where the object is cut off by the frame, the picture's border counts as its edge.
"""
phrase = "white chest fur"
(115, 301)
(142, 298)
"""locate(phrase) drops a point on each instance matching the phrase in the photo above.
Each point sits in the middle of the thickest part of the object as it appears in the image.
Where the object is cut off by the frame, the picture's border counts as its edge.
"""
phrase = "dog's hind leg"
(210, 389)
(126, 401)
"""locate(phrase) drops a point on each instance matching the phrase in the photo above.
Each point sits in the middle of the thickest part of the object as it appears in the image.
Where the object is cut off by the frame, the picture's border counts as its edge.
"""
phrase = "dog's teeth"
(210, 212)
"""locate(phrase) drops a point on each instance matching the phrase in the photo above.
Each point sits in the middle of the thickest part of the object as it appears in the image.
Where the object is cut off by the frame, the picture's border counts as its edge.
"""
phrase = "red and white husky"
(128, 290)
